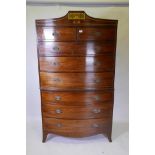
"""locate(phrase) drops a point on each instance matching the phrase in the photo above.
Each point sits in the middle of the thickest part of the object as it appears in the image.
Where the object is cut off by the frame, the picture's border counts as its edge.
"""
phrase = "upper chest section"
(76, 26)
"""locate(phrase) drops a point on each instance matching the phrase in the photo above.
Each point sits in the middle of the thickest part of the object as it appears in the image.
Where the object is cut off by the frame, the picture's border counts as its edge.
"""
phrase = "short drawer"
(98, 33)
(77, 64)
(78, 98)
(76, 81)
(76, 128)
(77, 112)
(74, 48)
(56, 34)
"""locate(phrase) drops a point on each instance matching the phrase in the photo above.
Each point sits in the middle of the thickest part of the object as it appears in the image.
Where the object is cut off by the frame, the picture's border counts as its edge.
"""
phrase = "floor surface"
(94, 145)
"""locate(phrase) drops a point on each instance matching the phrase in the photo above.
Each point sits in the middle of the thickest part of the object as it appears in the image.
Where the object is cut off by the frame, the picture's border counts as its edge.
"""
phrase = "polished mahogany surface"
(56, 34)
(78, 112)
(76, 63)
(70, 98)
(76, 128)
(97, 33)
(76, 81)
(89, 48)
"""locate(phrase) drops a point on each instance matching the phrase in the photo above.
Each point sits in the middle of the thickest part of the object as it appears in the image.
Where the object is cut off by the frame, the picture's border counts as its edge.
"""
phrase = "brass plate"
(76, 16)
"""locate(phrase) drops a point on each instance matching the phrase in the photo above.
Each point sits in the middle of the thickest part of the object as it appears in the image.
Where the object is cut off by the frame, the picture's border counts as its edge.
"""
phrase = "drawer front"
(77, 112)
(76, 128)
(56, 34)
(77, 64)
(74, 48)
(70, 98)
(78, 81)
(101, 34)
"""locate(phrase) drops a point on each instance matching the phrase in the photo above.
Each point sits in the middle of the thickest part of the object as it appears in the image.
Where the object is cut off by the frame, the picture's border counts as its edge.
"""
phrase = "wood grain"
(76, 128)
(78, 81)
(56, 34)
(77, 98)
(88, 48)
(77, 64)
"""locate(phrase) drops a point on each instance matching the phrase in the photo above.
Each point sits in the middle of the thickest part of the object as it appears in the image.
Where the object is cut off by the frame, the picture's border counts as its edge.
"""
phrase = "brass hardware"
(58, 111)
(95, 125)
(57, 98)
(80, 31)
(96, 111)
(97, 81)
(97, 98)
(55, 64)
(59, 125)
(55, 33)
(56, 79)
(97, 63)
(97, 33)
(56, 48)
(76, 16)
(98, 48)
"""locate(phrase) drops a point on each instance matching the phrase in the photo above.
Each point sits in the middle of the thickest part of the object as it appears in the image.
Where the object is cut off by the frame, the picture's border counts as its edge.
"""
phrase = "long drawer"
(77, 112)
(78, 81)
(76, 128)
(77, 64)
(74, 48)
(76, 98)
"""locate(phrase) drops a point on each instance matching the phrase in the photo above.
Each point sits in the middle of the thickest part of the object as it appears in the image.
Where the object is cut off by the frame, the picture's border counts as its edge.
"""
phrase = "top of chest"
(75, 18)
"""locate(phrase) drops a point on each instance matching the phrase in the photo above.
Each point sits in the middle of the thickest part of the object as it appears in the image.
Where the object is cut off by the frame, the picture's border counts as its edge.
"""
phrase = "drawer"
(56, 34)
(76, 128)
(70, 98)
(74, 48)
(77, 112)
(98, 33)
(77, 64)
(76, 81)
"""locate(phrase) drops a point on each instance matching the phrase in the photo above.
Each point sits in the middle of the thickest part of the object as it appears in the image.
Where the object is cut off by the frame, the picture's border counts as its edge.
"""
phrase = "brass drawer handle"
(58, 111)
(97, 98)
(56, 80)
(55, 33)
(57, 98)
(95, 125)
(59, 125)
(97, 81)
(97, 33)
(97, 64)
(80, 31)
(96, 111)
(98, 48)
(55, 63)
(56, 48)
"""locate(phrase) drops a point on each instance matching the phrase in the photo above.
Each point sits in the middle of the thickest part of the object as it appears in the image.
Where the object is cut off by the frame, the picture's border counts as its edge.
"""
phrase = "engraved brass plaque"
(76, 16)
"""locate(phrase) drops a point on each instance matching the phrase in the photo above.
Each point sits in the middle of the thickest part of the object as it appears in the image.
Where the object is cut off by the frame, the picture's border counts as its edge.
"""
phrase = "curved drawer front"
(99, 33)
(78, 81)
(76, 98)
(77, 112)
(56, 34)
(74, 48)
(77, 64)
(76, 128)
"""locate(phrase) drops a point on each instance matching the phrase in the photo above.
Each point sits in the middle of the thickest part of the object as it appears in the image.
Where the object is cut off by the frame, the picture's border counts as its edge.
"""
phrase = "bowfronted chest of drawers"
(76, 59)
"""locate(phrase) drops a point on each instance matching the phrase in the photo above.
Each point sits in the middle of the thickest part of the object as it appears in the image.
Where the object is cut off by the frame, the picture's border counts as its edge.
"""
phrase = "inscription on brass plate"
(77, 16)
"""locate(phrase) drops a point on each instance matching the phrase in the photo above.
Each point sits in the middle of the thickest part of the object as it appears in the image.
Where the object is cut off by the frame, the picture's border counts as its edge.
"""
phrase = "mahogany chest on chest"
(76, 59)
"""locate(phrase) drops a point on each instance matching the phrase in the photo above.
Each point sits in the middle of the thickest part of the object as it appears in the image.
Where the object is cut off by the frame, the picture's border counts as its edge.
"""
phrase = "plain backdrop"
(121, 76)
